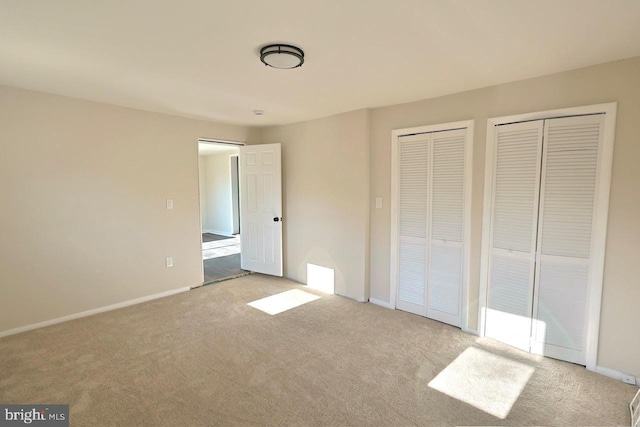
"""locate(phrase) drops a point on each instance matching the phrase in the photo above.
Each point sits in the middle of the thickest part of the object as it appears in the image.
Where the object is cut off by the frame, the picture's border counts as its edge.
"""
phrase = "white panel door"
(261, 208)
(514, 219)
(413, 211)
(446, 226)
(568, 199)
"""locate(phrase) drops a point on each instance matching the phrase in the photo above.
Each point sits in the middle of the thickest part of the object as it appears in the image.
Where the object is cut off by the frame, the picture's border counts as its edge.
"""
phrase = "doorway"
(219, 210)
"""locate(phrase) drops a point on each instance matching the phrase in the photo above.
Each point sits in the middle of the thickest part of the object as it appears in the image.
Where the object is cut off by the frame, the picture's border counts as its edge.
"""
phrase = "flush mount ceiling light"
(282, 56)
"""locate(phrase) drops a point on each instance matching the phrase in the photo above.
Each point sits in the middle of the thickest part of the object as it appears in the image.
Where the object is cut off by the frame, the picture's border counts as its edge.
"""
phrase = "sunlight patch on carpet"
(484, 380)
(283, 301)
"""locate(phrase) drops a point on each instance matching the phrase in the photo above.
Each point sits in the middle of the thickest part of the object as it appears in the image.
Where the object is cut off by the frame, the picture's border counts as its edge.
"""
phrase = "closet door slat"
(413, 214)
(447, 226)
(513, 229)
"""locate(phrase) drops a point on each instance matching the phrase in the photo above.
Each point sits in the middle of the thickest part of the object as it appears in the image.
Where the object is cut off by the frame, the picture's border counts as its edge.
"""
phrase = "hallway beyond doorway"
(221, 257)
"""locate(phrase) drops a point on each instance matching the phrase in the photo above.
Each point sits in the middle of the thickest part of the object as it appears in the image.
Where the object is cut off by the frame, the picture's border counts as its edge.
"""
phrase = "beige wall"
(618, 81)
(83, 186)
(215, 193)
(325, 170)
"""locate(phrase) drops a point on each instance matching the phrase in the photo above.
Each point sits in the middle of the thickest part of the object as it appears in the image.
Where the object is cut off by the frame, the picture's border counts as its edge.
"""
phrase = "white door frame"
(599, 234)
(395, 182)
(235, 204)
(237, 144)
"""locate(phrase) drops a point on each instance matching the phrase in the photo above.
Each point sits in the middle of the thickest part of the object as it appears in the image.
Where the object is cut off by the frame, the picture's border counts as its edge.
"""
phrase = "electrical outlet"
(629, 379)
(169, 262)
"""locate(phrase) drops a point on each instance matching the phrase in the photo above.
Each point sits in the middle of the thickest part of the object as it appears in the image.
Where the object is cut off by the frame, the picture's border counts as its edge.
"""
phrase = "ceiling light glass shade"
(282, 56)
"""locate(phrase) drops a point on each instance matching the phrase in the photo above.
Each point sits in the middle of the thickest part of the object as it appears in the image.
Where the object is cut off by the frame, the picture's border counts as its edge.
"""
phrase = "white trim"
(432, 128)
(222, 141)
(602, 210)
(380, 303)
(221, 233)
(468, 182)
(607, 372)
(489, 167)
(92, 312)
(554, 114)
(199, 213)
(611, 373)
(470, 331)
(235, 201)
(600, 234)
(395, 183)
(466, 266)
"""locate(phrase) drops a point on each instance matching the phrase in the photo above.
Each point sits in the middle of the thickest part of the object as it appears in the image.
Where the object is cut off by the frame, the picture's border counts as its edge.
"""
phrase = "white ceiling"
(199, 58)
(208, 149)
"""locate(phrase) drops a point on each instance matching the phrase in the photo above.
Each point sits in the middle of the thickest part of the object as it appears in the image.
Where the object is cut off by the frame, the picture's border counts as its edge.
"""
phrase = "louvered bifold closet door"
(514, 220)
(413, 213)
(444, 285)
(567, 202)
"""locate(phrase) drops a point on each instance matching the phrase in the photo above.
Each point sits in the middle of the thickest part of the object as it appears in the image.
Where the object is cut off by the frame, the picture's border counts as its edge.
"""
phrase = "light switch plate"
(169, 203)
(169, 262)
(378, 202)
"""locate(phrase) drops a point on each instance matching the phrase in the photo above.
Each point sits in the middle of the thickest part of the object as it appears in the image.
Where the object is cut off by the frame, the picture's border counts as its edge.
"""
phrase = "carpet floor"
(205, 357)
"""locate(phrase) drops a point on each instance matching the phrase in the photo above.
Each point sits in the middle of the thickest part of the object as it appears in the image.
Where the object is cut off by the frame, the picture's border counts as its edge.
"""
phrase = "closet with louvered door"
(543, 211)
(431, 224)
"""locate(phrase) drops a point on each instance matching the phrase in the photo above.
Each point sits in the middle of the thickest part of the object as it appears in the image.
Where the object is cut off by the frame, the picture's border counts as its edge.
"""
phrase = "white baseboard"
(387, 305)
(611, 373)
(221, 233)
(92, 312)
(380, 303)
